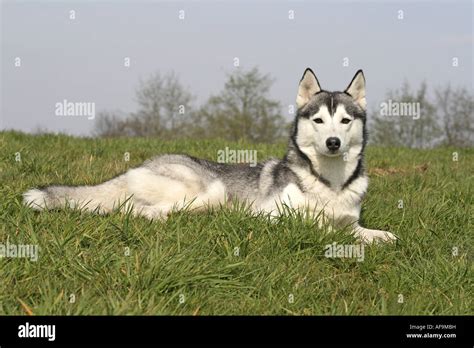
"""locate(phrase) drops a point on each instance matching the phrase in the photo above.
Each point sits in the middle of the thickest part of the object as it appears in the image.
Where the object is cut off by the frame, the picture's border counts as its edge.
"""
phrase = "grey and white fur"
(322, 171)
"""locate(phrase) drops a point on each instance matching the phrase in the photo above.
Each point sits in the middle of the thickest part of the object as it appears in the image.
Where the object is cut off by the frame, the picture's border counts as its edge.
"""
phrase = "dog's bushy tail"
(103, 197)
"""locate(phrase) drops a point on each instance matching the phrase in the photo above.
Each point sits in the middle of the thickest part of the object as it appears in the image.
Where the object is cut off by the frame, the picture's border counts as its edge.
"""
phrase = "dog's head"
(331, 122)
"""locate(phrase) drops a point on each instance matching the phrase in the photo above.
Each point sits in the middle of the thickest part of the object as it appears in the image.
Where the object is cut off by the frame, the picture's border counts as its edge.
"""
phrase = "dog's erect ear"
(356, 89)
(309, 86)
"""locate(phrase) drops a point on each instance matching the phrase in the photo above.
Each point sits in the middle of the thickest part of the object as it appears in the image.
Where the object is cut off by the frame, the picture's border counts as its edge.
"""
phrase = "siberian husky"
(321, 173)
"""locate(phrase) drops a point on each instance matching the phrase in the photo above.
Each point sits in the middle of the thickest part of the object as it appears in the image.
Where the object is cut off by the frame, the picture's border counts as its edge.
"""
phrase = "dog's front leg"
(366, 235)
(370, 236)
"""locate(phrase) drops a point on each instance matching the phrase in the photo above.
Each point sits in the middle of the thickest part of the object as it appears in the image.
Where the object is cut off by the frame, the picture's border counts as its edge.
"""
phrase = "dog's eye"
(318, 120)
(345, 120)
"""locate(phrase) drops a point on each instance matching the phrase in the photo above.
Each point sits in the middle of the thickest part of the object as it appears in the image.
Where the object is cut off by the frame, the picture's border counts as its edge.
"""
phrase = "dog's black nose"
(333, 143)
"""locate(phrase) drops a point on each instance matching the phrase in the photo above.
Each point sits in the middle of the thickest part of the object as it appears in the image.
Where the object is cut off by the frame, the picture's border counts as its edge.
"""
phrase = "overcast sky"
(81, 60)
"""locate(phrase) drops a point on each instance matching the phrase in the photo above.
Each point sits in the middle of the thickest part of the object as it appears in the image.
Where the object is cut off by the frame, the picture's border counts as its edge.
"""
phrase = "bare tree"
(163, 103)
(243, 110)
(418, 130)
(455, 108)
(164, 100)
(446, 119)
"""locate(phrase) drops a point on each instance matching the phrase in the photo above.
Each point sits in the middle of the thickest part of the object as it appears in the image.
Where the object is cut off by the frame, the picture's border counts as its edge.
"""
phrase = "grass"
(118, 264)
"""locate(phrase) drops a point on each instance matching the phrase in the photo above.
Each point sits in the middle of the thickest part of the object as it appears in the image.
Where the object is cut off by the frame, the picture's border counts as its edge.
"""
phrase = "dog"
(322, 172)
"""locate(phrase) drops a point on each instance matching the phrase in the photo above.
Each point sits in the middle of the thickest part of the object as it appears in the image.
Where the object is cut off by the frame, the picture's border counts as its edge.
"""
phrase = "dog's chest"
(318, 196)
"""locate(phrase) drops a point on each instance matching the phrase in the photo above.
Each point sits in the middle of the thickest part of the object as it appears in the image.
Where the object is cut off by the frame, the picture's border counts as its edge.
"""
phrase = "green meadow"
(228, 261)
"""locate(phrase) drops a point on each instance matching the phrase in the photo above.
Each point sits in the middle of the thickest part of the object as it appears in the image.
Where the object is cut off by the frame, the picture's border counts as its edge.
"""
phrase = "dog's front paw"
(370, 236)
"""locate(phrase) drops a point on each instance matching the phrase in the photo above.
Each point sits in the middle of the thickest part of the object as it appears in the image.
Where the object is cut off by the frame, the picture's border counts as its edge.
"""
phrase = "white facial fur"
(315, 134)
